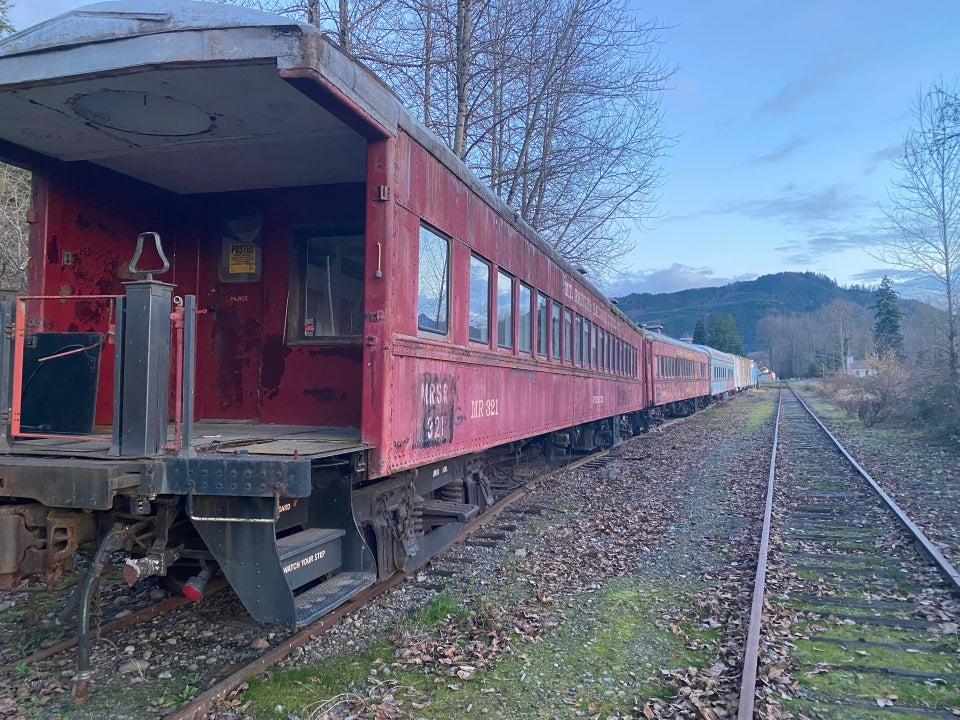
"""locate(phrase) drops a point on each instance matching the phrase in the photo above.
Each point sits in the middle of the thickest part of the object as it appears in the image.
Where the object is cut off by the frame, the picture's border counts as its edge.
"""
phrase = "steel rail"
(752, 647)
(751, 651)
(198, 707)
(148, 613)
(946, 568)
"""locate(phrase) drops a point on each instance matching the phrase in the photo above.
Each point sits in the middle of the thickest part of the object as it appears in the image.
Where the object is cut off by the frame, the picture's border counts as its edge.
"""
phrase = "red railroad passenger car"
(233, 219)
(679, 372)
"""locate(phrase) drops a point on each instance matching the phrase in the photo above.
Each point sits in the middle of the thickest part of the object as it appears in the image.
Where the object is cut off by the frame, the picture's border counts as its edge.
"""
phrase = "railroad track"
(113, 638)
(486, 530)
(860, 610)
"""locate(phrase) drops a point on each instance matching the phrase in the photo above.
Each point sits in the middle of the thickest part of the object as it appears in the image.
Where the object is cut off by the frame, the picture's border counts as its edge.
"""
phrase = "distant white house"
(857, 368)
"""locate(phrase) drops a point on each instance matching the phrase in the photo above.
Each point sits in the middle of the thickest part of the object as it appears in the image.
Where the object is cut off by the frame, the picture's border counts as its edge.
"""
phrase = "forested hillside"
(783, 294)
(798, 324)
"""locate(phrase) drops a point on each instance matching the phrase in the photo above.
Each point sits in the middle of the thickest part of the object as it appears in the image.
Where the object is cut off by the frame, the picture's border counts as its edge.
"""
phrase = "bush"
(884, 390)
(876, 398)
(938, 409)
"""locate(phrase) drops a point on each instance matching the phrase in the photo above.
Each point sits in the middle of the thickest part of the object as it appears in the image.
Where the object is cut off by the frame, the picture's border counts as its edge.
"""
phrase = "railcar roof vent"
(654, 328)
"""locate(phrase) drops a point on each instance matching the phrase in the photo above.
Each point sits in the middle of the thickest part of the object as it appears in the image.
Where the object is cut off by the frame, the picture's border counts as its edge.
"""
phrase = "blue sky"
(786, 116)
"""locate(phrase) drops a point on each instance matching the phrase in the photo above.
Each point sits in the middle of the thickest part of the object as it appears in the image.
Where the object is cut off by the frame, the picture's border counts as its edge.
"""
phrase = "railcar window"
(543, 324)
(593, 347)
(330, 287)
(585, 341)
(525, 298)
(587, 356)
(434, 283)
(504, 310)
(556, 325)
(479, 300)
(578, 339)
(568, 335)
(601, 356)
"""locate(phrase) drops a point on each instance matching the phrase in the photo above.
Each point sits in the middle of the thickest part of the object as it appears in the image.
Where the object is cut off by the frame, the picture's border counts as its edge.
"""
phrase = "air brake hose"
(68, 608)
(111, 542)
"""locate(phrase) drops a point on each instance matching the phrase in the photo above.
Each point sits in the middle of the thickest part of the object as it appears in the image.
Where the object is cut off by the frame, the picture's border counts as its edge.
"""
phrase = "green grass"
(606, 657)
(837, 711)
(825, 671)
(758, 414)
(870, 686)
(437, 609)
(812, 652)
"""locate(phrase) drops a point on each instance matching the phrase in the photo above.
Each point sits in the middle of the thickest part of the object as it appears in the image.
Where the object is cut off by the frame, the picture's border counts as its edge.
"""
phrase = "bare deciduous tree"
(555, 106)
(839, 321)
(924, 208)
(816, 343)
(14, 231)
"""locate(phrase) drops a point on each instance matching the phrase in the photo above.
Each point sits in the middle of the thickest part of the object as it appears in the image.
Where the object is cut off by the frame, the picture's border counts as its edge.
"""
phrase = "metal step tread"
(462, 512)
(329, 594)
(293, 544)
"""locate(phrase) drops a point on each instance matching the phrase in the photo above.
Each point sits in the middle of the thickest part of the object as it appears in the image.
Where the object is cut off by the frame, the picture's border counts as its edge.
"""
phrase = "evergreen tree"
(887, 335)
(699, 333)
(723, 334)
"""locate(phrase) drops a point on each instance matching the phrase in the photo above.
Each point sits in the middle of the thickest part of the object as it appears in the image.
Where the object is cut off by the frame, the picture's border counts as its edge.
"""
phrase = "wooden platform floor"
(222, 436)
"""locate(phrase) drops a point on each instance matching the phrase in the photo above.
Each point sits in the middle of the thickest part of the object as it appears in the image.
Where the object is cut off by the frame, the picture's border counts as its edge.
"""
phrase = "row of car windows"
(675, 367)
(561, 334)
(722, 373)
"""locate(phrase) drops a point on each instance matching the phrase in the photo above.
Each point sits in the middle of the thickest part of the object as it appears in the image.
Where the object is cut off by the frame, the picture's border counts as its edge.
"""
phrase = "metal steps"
(290, 580)
(329, 594)
(309, 554)
(440, 512)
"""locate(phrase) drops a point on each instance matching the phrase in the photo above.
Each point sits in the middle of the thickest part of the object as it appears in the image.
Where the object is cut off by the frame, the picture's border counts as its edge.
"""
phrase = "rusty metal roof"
(111, 21)
(188, 96)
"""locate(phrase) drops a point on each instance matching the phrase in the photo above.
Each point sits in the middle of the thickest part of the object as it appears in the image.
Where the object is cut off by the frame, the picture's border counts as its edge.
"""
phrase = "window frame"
(543, 323)
(556, 331)
(433, 233)
(298, 235)
(510, 325)
(521, 324)
(475, 261)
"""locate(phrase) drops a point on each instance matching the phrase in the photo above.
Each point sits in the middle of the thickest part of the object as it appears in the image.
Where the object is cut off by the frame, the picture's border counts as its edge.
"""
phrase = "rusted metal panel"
(449, 403)
(245, 368)
(69, 483)
(382, 275)
(448, 396)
